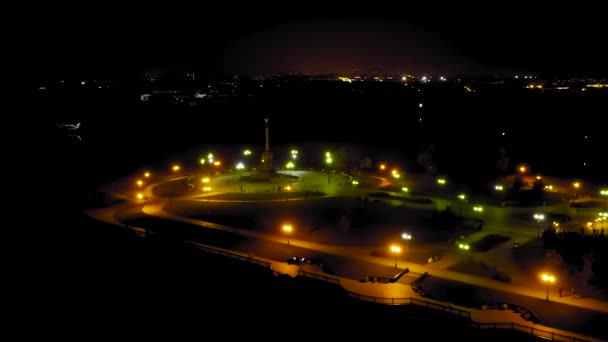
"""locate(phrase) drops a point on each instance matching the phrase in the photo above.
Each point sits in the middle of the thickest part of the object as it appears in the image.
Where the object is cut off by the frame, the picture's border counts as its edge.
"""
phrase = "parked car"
(433, 258)
(296, 260)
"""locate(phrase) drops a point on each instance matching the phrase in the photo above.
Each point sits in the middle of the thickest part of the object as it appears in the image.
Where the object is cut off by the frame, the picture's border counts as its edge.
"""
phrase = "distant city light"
(478, 208)
(140, 196)
(577, 185)
(240, 166)
(140, 183)
(147, 174)
(176, 168)
(498, 187)
(202, 160)
(420, 105)
(462, 197)
(247, 152)
(382, 166)
(441, 181)
(205, 180)
(217, 163)
(405, 189)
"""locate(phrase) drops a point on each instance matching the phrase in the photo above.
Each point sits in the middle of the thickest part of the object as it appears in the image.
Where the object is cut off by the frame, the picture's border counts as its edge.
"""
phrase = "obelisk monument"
(267, 155)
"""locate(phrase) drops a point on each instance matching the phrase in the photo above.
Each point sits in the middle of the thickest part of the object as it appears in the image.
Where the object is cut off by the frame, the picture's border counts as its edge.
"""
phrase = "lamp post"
(395, 250)
(287, 229)
(548, 279)
(240, 166)
(294, 154)
(328, 161)
(539, 218)
(290, 166)
(355, 184)
(407, 237)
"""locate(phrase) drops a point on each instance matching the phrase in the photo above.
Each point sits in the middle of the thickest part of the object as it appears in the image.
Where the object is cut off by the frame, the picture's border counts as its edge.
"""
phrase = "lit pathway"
(156, 209)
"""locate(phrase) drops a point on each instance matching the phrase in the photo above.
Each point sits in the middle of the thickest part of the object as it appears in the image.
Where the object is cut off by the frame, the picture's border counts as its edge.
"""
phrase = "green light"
(202, 160)
(604, 192)
(210, 156)
(328, 155)
(290, 165)
(355, 182)
(478, 209)
(462, 196)
(404, 189)
(441, 181)
(328, 160)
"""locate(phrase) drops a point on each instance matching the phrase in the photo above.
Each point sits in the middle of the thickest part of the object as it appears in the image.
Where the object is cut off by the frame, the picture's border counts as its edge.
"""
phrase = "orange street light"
(147, 174)
(548, 279)
(176, 168)
(395, 250)
(140, 183)
(287, 228)
(140, 196)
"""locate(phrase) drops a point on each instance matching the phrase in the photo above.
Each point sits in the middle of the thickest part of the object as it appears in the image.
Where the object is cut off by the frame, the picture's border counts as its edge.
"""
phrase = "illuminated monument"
(267, 155)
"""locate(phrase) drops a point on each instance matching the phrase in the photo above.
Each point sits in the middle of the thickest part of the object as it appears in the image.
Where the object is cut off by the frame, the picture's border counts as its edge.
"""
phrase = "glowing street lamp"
(478, 209)
(355, 185)
(202, 161)
(290, 166)
(147, 174)
(140, 195)
(294, 154)
(405, 189)
(240, 166)
(140, 183)
(176, 168)
(548, 279)
(462, 197)
(407, 237)
(464, 246)
(328, 161)
(498, 187)
(441, 181)
(247, 152)
(604, 192)
(522, 169)
(539, 218)
(287, 228)
(395, 250)
(382, 167)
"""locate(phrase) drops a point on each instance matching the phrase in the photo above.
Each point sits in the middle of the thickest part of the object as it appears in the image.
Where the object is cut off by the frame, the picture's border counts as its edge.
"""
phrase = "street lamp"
(290, 166)
(395, 250)
(441, 181)
(140, 183)
(247, 152)
(287, 229)
(355, 184)
(294, 154)
(176, 168)
(604, 192)
(548, 279)
(147, 174)
(140, 195)
(498, 187)
(407, 237)
(539, 218)
(328, 161)
(240, 166)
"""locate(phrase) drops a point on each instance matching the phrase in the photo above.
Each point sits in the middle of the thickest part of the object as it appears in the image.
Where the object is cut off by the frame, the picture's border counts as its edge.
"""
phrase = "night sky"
(257, 38)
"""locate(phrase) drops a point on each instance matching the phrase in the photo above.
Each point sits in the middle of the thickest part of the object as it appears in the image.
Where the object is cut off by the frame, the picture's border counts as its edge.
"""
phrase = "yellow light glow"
(547, 278)
(205, 180)
(287, 228)
(83, 82)
(140, 196)
(207, 188)
(288, 188)
(395, 249)
(217, 163)
(577, 184)
(147, 174)
(522, 169)
(202, 160)
(394, 172)
(539, 177)
(140, 183)
(176, 168)
(382, 166)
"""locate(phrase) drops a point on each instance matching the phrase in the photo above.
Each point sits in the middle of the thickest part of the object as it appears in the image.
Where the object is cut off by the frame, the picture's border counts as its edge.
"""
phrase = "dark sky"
(257, 38)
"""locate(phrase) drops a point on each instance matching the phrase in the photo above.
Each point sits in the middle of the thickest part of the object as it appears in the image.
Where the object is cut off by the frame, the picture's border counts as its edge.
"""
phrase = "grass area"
(480, 268)
(336, 220)
(264, 196)
(172, 188)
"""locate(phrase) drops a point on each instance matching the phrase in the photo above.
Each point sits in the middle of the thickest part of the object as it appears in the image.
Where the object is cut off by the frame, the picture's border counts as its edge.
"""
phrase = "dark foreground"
(104, 281)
